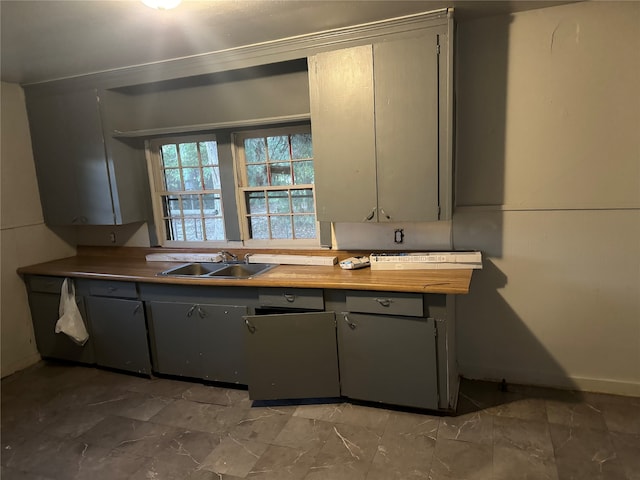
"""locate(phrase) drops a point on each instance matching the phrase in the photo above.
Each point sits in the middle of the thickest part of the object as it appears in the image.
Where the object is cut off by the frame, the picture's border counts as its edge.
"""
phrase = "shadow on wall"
(492, 339)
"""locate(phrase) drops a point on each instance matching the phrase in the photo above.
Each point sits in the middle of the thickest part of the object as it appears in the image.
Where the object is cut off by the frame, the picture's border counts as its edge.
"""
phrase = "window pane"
(211, 178)
(209, 153)
(255, 150)
(304, 226)
(172, 180)
(169, 156)
(302, 201)
(211, 205)
(214, 228)
(281, 174)
(257, 175)
(174, 229)
(193, 229)
(259, 228)
(191, 205)
(189, 154)
(301, 146)
(192, 179)
(279, 202)
(256, 202)
(278, 148)
(171, 206)
(281, 227)
(303, 172)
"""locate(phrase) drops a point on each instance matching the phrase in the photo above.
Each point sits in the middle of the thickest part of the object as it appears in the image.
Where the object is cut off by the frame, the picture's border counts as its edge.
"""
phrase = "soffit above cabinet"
(47, 40)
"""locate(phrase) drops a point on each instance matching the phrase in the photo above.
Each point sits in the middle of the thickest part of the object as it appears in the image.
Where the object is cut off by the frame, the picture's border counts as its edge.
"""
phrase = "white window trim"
(240, 173)
(154, 168)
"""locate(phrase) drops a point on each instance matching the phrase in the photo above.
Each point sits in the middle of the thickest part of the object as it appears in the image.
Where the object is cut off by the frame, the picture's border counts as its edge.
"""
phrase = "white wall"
(548, 186)
(24, 239)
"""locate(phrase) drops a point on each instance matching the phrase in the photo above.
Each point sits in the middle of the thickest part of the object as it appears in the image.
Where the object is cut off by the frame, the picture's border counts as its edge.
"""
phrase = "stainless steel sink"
(192, 269)
(218, 270)
(241, 270)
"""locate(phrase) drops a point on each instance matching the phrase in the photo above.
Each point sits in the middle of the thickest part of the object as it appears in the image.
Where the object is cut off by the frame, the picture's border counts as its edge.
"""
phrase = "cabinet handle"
(352, 325)
(112, 289)
(137, 309)
(384, 213)
(371, 215)
(289, 298)
(385, 302)
(201, 313)
(190, 312)
(251, 327)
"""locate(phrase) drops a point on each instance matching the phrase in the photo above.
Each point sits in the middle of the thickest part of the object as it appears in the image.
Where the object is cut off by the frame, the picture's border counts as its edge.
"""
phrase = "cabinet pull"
(251, 327)
(352, 325)
(289, 298)
(112, 289)
(385, 302)
(371, 215)
(190, 312)
(385, 214)
(201, 313)
(137, 309)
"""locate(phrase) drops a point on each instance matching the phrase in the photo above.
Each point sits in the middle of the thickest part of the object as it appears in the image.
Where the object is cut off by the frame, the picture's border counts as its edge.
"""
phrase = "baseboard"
(23, 363)
(544, 379)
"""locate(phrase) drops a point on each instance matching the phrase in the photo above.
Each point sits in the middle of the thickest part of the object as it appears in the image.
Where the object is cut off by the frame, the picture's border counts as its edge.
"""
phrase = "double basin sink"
(218, 270)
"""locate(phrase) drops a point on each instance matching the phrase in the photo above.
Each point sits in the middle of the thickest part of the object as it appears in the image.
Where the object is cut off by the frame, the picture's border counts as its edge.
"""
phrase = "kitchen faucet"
(224, 254)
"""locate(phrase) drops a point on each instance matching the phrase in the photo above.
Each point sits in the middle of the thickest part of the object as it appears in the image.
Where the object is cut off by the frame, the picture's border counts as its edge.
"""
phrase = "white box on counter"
(426, 260)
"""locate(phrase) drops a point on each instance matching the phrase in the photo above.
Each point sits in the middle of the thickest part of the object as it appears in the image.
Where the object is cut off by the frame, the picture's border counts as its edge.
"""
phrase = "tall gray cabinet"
(378, 115)
(85, 177)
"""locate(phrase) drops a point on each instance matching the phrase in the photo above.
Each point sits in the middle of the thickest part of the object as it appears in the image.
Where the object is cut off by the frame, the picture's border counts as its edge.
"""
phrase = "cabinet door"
(388, 359)
(120, 333)
(292, 356)
(222, 343)
(343, 128)
(406, 110)
(69, 153)
(44, 313)
(175, 336)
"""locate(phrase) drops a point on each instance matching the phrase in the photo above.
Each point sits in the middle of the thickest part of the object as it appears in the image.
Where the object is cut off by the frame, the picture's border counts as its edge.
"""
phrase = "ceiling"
(50, 39)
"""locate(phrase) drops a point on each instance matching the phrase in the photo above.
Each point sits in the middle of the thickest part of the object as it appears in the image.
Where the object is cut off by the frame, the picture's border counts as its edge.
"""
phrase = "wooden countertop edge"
(289, 276)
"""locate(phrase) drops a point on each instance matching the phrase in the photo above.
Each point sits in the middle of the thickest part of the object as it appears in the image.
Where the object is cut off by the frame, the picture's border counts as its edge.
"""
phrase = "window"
(271, 203)
(187, 189)
(276, 195)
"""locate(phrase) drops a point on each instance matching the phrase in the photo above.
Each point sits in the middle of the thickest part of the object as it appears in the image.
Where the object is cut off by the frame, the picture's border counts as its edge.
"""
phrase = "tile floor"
(72, 422)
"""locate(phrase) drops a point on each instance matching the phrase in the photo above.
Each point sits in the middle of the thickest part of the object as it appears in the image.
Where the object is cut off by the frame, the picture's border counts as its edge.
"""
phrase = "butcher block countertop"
(129, 264)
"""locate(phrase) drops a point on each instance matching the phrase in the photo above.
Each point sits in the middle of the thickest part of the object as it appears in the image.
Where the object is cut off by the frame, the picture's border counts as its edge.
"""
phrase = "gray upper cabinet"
(84, 177)
(376, 114)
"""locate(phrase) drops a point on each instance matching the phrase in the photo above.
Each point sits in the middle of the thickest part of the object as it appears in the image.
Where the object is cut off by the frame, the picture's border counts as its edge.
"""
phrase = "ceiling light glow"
(162, 4)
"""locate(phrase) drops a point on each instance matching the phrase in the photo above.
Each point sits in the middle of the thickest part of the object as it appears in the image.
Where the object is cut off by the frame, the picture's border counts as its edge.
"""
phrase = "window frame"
(240, 167)
(158, 191)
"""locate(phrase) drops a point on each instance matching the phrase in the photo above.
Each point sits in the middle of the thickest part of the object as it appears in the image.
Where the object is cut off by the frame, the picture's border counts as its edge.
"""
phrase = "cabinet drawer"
(391, 303)
(44, 284)
(311, 298)
(108, 288)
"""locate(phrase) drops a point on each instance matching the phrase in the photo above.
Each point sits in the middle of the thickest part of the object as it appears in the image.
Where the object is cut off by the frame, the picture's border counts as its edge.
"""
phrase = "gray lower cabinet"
(389, 359)
(119, 333)
(292, 355)
(44, 300)
(198, 340)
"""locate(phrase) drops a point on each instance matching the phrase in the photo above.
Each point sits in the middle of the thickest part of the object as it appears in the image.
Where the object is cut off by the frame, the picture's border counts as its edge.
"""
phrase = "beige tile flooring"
(71, 422)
